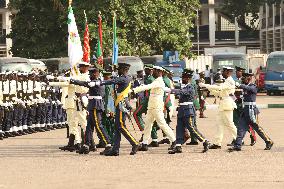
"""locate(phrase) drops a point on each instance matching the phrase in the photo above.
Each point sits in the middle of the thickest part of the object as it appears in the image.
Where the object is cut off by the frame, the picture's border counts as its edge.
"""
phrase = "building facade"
(272, 28)
(214, 28)
(5, 28)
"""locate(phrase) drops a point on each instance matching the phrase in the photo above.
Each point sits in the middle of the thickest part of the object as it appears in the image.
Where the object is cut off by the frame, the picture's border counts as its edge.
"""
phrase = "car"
(59, 64)
(15, 64)
(37, 64)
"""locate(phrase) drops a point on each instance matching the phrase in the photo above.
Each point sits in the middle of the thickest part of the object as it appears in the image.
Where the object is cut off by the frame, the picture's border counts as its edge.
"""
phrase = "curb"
(260, 106)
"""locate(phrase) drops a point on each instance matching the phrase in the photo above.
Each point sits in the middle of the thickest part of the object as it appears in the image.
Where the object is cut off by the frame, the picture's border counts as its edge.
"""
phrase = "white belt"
(155, 94)
(226, 97)
(186, 103)
(249, 103)
(95, 97)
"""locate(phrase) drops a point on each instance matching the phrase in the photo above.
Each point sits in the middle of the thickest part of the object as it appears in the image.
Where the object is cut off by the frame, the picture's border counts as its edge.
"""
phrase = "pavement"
(34, 161)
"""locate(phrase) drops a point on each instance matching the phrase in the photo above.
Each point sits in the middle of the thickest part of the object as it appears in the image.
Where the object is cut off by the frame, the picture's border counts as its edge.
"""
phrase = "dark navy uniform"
(95, 109)
(248, 117)
(121, 108)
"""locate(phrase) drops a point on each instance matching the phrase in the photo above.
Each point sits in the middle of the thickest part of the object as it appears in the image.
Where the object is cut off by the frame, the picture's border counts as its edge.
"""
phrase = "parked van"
(15, 64)
(274, 77)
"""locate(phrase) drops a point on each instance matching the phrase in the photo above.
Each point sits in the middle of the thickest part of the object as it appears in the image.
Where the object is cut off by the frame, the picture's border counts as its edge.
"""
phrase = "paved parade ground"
(34, 161)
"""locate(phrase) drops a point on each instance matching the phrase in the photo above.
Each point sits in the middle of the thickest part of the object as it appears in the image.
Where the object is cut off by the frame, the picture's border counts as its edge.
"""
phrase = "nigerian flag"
(75, 51)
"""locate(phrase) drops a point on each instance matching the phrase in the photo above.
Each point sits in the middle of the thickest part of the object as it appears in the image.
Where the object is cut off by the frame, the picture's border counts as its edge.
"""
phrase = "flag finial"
(70, 2)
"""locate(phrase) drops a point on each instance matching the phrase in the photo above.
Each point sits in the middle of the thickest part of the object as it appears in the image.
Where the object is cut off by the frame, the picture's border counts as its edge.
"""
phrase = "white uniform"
(226, 107)
(155, 109)
(75, 113)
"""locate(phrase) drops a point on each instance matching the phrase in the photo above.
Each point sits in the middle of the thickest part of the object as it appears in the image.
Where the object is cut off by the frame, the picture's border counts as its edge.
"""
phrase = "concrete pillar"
(7, 26)
(236, 32)
(273, 25)
(281, 30)
(212, 26)
(266, 26)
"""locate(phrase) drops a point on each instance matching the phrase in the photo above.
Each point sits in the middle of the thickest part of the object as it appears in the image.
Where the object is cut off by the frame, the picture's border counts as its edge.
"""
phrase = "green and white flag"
(75, 51)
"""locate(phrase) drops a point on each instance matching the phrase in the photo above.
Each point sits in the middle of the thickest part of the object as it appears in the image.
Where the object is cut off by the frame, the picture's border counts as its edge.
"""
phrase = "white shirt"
(156, 99)
(207, 73)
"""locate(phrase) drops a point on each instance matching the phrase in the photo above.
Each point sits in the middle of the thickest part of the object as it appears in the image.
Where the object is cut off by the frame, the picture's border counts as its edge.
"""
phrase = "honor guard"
(239, 102)
(122, 108)
(248, 116)
(109, 113)
(155, 110)
(75, 105)
(226, 106)
(95, 109)
(186, 114)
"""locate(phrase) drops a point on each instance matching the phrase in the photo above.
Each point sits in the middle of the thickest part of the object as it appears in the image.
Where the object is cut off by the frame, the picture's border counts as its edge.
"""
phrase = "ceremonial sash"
(122, 95)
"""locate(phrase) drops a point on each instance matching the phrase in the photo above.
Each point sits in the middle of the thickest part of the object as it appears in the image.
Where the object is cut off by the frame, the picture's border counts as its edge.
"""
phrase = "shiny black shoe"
(66, 148)
(214, 146)
(134, 149)
(175, 150)
(268, 145)
(1, 136)
(173, 145)
(32, 130)
(9, 134)
(206, 145)
(232, 143)
(143, 147)
(192, 143)
(234, 149)
(154, 144)
(165, 141)
(252, 140)
(100, 145)
(16, 133)
(112, 153)
(22, 133)
(106, 150)
(84, 150)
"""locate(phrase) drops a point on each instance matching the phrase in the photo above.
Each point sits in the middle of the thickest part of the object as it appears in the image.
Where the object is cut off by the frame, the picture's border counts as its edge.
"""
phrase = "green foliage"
(144, 27)
(242, 8)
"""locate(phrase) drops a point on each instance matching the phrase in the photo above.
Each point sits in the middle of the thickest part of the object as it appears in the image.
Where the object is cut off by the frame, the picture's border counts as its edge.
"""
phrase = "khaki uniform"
(76, 112)
(226, 107)
(155, 109)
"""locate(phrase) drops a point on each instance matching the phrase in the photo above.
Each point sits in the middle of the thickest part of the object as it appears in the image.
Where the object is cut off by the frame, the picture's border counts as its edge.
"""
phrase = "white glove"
(65, 79)
(201, 85)
(94, 83)
(49, 77)
(166, 89)
(237, 84)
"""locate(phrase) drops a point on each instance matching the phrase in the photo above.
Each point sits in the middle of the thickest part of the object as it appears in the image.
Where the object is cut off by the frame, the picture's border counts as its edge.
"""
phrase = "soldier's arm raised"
(251, 88)
(59, 84)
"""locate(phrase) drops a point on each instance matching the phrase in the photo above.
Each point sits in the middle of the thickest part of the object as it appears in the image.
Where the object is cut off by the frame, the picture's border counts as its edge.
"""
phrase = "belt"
(95, 97)
(155, 94)
(185, 103)
(80, 94)
(226, 97)
(249, 103)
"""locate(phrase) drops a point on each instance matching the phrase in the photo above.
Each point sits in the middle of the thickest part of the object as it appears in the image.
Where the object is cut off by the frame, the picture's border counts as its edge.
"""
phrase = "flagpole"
(70, 3)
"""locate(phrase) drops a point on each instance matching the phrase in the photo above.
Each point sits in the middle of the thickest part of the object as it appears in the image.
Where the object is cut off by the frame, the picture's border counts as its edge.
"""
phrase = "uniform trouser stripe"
(126, 131)
(196, 132)
(136, 117)
(98, 127)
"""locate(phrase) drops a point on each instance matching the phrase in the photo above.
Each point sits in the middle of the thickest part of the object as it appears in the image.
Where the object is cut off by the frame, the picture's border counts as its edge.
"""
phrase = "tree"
(243, 8)
(144, 27)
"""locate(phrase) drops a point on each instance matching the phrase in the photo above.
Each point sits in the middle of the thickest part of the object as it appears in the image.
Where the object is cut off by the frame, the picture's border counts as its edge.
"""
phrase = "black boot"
(165, 141)
(214, 146)
(154, 144)
(106, 150)
(192, 143)
(70, 143)
(268, 145)
(234, 149)
(205, 146)
(32, 130)
(175, 150)
(101, 145)
(9, 134)
(143, 147)
(1, 136)
(84, 150)
(134, 149)
(112, 153)
(173, 146)
(141, 139)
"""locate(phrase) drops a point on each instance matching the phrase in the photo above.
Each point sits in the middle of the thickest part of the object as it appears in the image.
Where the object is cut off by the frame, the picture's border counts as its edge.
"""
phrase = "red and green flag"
(86, 48)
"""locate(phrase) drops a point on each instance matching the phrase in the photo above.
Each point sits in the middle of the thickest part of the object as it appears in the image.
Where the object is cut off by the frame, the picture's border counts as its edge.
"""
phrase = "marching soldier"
(155, 109)
(75, 107)
(186, 114)
(248, 116)
(95, 109)
(239, 103)
(122, 108)
(138, 82)
(226, 107)
(109, 113)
